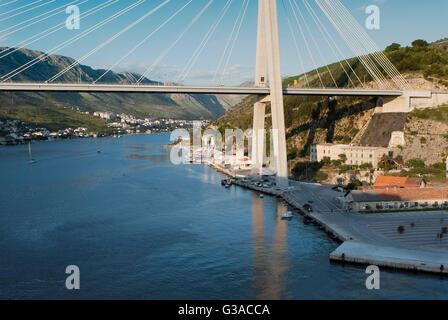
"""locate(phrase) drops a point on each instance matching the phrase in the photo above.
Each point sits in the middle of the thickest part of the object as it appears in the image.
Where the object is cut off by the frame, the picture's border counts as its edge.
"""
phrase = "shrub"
(420, 43)
(326, 161)
(415, 163)
(439, 166)
(393, 47)
(343, 157)
(293, 154)
(321, 176)
(366, 166)
(344, 169)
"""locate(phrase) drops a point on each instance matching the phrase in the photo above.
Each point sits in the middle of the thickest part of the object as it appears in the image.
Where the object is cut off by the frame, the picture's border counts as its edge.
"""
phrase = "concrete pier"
(391, 257)
(369, 239)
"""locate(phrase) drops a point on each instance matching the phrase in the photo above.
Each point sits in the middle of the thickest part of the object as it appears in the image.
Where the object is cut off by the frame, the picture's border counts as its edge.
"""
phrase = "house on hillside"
(398, 182)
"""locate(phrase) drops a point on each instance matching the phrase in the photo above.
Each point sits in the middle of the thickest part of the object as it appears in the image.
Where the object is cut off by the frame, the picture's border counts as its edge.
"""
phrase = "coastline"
(354, 247)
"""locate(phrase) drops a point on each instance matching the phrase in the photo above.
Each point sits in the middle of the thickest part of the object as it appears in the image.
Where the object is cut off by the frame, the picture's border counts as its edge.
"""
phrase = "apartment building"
(356, 155)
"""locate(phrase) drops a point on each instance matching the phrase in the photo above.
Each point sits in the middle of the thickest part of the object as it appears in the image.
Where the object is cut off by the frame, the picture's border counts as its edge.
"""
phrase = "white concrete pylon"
(261, 72)
(268, 60)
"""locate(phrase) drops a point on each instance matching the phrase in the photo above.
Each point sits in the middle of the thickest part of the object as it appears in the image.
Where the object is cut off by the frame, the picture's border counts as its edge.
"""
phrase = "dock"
(391, 257)
(370, 239)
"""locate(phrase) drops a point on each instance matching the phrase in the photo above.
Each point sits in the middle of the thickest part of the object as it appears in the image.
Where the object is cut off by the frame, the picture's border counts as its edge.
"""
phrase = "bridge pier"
(268, 59)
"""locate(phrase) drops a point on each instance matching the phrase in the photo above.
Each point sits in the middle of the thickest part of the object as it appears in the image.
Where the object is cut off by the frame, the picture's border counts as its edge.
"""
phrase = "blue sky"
(402, 21)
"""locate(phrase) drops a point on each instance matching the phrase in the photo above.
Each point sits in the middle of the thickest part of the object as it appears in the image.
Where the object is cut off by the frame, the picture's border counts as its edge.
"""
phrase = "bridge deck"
(127, 88)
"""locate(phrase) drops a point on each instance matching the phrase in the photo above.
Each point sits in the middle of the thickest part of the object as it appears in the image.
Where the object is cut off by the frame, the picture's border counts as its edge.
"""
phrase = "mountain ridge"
(179, 106)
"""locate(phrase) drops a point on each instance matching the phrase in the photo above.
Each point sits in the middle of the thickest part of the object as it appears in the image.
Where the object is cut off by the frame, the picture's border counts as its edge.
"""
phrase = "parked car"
(308, 208)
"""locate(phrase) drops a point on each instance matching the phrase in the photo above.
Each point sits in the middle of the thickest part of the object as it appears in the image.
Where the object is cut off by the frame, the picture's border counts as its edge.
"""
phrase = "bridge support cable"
(70, 41)
(381, 58)
(296, 44)
(367, 50)
(27, 10)
(352, 27)
(7, 3)
(348, 38)
(306, 43)
(228, 44)
(105, 43)
(28, 23)
(143, 41)
(314, 42)
(211, 31)
(46, 33)
(235, 39)
(175, 42)
(354, 43)
(19, 8)
(332, 44)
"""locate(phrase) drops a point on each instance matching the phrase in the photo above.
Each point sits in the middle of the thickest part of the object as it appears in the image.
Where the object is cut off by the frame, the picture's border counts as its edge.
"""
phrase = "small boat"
(261, 195)
(31, 160)
(226, 183)
(287, 215)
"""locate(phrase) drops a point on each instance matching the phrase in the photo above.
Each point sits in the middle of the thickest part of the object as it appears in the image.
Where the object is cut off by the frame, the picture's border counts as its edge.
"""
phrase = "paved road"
(421, 228)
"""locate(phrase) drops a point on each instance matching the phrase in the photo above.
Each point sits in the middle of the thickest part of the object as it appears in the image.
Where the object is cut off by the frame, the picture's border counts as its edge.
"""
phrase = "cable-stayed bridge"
(129, 88)
(383, 80)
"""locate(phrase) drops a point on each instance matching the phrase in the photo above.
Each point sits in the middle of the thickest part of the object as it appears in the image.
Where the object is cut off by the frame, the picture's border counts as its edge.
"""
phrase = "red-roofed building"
(398, 198)
(398, 182)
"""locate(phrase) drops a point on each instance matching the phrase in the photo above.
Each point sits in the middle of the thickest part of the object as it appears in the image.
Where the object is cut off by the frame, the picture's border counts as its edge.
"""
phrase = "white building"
(105, 115)
(356, 155)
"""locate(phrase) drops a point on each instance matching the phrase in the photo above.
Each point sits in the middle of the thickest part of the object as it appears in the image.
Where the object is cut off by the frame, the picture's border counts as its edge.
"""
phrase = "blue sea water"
(139, 227)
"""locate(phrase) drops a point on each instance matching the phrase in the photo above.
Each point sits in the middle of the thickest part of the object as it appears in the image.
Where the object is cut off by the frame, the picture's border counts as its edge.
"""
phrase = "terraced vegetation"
(317, 120)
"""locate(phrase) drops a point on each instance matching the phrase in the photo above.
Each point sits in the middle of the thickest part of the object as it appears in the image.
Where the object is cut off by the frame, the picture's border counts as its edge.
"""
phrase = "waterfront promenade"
(370, 239)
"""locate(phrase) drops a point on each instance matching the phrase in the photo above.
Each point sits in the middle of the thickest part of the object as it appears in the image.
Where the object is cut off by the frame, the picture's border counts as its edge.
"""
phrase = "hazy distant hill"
(180, 106)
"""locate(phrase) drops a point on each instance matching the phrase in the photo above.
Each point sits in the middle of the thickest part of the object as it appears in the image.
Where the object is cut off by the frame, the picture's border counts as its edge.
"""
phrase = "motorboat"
(287, 215)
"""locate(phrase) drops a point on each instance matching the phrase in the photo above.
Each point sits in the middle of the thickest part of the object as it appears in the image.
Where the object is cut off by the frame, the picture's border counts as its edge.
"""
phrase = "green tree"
(365, 166)
(420, 43)
(393, 47)
(415, 163)
(326, 162)
(386, 163)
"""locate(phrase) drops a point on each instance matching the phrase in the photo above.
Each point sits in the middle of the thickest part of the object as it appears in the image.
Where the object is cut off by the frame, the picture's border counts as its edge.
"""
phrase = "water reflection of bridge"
(270, 259)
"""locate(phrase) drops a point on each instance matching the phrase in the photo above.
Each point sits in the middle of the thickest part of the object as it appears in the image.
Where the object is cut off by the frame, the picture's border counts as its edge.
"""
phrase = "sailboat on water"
(31, 160)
